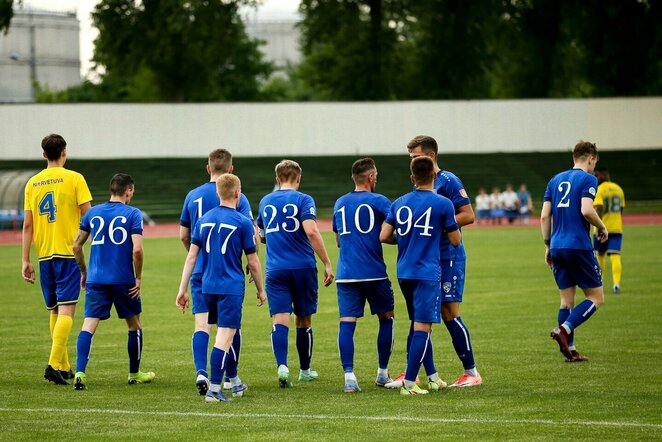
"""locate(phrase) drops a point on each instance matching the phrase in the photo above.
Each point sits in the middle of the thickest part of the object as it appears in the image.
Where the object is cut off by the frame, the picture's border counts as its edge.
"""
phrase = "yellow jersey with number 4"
(610, 196)
(54, 196)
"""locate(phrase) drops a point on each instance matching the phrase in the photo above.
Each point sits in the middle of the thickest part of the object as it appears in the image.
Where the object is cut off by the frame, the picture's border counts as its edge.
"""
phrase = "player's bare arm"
(546, 229)
(185, 237)
(455, 237)
(255, 270)
(182, 300)
(79, 255)
(387, 235)
(84, 208)
(465, 215)
(26, 268)
(315, 238)
(594, 219)
(138, 255)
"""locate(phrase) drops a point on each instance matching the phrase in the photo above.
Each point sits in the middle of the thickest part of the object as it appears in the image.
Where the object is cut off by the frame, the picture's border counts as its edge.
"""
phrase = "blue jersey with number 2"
(565, 191)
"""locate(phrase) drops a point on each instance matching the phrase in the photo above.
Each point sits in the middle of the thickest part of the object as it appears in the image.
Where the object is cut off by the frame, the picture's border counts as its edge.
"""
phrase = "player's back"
(54, 196)
(223, 234)
(282, 213)
(612, 198)
(420, 218)
(111, 253)
(570, 230)
(448, 185)
(357, 219)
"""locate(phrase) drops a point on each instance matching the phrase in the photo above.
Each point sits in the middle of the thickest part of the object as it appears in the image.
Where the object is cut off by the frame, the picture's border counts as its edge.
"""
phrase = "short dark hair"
(422, 168)
(601, 169)
(119, 183)
(220, 161)
(53, 145)
(427, 143)
(288, 170)
(584, 149)
(361, 167)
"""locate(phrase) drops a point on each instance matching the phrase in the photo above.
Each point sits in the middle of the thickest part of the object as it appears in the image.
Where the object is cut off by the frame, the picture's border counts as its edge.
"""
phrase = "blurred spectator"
(496, 206)
(525, 203)
(482, 206)
(510, 203)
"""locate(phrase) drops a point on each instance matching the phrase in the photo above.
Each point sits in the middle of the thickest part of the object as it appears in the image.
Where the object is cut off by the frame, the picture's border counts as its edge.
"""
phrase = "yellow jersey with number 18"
(610, 196)
(53, 196)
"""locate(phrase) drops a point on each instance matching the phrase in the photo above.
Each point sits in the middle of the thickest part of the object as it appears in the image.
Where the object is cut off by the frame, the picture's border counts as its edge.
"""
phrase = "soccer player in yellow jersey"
(609, 203)
(55, 199)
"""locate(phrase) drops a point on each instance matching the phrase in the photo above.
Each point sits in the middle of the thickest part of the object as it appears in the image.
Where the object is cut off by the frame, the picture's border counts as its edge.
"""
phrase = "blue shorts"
(353, 295)
(224, 310)
(423, 300)
(575, 267)
(198, 300)
(292, 291)
(60, 281)
(483, 213)
(612, 245)
(99, 298)
(452, 280)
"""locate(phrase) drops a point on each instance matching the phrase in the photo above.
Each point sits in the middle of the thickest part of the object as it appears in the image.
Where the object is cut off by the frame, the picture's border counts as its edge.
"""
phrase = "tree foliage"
(176, 51)
(6, 14)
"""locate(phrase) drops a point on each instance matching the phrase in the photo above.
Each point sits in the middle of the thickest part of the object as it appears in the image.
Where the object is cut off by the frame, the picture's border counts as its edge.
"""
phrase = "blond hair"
(287, 171)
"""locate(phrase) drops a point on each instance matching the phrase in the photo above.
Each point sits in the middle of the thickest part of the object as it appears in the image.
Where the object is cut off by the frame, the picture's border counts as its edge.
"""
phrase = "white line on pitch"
(331, 417)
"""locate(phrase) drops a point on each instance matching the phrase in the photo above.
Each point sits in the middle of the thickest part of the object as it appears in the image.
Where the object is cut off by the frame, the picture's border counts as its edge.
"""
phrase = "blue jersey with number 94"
(110, 226)
(565, 191)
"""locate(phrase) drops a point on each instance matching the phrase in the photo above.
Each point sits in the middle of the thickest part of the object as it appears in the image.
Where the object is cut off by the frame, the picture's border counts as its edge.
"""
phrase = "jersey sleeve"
(390, 217)
(449, 221)
(27, 196)
(334, 227)
(599, 197)
(85, 222)
(589, 187)
(308, 210)
(548, 192)
(136, 222)
(185, 217)
(384, 206)
(456, 192)
(195, 235)
(244, 207)
(247, 237)
(83, 194)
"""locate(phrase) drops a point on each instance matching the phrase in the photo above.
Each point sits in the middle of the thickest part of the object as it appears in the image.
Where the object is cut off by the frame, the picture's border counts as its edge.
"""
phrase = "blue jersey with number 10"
(222, 234)
(421, 219)
(357, 219)
(280, 220)
(565, 191)
(200, 201)
(110, 226)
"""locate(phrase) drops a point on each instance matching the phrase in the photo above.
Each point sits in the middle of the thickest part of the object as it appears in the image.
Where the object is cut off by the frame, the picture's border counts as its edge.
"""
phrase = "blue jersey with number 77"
(565, 191)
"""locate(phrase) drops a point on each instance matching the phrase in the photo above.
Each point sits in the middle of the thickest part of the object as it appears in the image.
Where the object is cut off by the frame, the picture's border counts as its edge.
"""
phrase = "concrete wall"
(317, 129)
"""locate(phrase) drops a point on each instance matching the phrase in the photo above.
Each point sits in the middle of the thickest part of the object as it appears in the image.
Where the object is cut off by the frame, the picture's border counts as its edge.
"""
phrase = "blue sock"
(409, 336)
(580, 314)
(428, 359)
(233, 356)
(305, 346)
(385, 342)
(217, 362)
(200, 345)
(279, 343)
(461, 342)
(419, 345)
(564, 312)
(83, 348)
(135, 347)
(346, 345)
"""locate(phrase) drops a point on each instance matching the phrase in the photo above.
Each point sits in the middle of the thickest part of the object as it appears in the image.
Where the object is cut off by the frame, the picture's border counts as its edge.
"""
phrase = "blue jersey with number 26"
(565, 191)
(281, 214)
(223, 234)
(110, 226)
(357, 219)
(421, 219)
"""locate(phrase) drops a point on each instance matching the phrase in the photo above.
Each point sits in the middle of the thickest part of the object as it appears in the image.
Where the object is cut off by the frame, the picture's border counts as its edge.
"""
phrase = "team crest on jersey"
(591, 190)
(464, 193)
(446, 286)
(312, 211)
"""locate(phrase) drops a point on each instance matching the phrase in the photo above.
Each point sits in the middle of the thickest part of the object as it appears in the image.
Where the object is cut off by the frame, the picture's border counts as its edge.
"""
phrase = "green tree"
(177, 51)
(6, 14)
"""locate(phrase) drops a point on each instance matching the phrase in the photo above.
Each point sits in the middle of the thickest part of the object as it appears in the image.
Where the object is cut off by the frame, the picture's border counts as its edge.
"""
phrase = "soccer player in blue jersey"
(221, 236)
(453, 264)
(568, 206)
(422, 219)
(114, 277)
(55, 200)
(198, 202)
(361, 272)
(287, 223)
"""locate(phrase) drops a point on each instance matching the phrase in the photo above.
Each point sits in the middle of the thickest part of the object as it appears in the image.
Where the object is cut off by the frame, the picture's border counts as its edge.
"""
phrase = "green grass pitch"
(529, 393)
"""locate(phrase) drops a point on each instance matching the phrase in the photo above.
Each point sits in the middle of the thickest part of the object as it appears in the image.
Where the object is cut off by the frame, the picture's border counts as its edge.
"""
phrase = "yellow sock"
(53, 320)
(616, 269)
(602, 260)
(60, 337)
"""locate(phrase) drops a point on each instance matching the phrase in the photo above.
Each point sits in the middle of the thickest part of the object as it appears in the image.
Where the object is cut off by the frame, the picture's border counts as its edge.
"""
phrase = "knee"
(304, 321)
(385, 316)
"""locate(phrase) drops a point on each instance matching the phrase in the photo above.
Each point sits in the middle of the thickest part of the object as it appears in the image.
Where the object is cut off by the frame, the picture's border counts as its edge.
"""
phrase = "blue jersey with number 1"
(357, 219)
(565, 191)
(280, 220)
(222, 234)
(421, 219)
(200, 201)
(110, 226)
(449, 185)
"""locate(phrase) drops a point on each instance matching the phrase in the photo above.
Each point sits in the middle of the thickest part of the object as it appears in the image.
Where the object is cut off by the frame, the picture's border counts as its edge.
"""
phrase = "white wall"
(304, 129)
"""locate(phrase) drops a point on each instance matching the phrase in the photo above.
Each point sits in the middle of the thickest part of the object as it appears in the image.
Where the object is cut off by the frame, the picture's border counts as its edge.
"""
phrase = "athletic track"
(172, 229)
